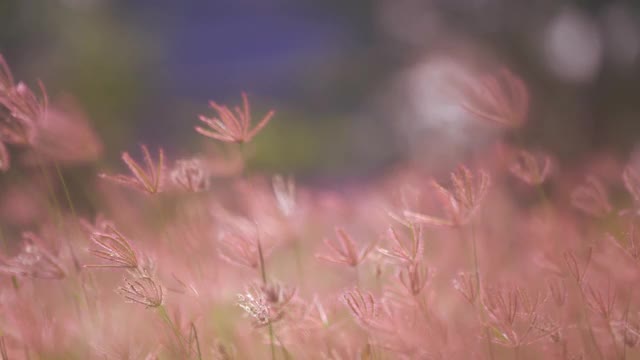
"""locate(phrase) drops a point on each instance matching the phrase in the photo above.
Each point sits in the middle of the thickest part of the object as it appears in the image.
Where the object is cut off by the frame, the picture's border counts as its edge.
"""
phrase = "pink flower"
(414, 277)
(362, 305)
(460, 203)
(114, 248)
(592, 198)
(501, 98)
(530, 167)
(142, 290)
(407, 251)
(190, 175)
(344, 250)
(230, 127)
(24, 107)
(65, 135)
(33, 261)
(147, 179)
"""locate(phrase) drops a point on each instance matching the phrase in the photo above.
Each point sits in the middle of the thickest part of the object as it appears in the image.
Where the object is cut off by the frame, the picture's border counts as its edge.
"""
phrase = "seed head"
(230, 126)
(142, 290)
(33, 261)
(531, 168)
(460, 203)
(501, 98)
(113, 247)
(147, 179)
(362, 305)
(190, 175)
(406, 251)
(344, 250)
(592, 198)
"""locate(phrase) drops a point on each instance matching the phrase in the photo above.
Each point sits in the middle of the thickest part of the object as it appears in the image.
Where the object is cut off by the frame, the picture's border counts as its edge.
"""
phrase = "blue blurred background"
(358, 85)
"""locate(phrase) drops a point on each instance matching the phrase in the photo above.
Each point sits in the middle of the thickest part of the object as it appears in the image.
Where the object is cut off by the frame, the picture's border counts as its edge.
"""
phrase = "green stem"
(476, 270)
(271, 345)
(165, 317)
(263, 271)
(197, 340)
(298, 254)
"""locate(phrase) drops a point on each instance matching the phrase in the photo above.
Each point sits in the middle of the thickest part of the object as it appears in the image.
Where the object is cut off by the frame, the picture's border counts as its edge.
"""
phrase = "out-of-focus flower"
(601, 302)
(284, 189)
(514, 316)
(265, 303)
(33, 261)
(630, 244)
(255, 304)
(190, 175)
(532, 168)
(24, 108)
(362, 305)
(344, 250)
(558, 292)
(574, 266)
(148, 179)
(114, 248)
(142, 290)
(414, 277)
(461, 203)
(466, 285)
(276, 294)
(408, 253)
(240, 241)
(500, 98)
(65, 135)
(240, 250)
(592, 198)
(230, 126)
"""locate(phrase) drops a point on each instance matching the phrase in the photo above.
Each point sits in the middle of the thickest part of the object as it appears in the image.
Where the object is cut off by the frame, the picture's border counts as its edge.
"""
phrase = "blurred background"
(358, 85)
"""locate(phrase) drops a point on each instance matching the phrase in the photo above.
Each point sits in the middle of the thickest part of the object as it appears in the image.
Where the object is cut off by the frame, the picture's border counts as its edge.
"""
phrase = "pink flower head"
(460, 203)
(266, 304)
(34, 261)
(414, 277)
(65, 135)
(114, 248)
(230, 126)
(500, 98)
(592, 198)
(344, 250)
(190, 175)
(240, 241)
(142, 290)
(148, 179)
(531, 167)
(362, 305)
(406, 251)
(24, 108)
